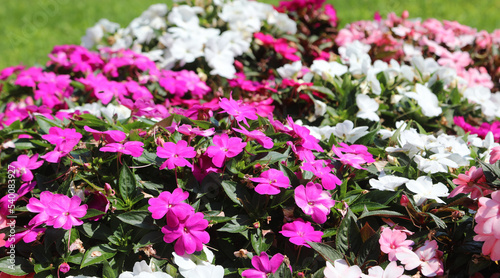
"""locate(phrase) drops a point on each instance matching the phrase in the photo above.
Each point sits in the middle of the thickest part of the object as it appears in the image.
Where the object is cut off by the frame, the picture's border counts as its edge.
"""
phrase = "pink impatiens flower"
(190, 234)
(263, 266)
(495, 154)
(314, 201)
(40, 206)
(133, 148)
(427, 258)
(24, 164)
(258, 135)
(65, 211)
(270, 182)
(175, 154)
(322, 171)
(224, 147)
(111, 136)
(473, 182)
(488, 225)
(236, 109)
(393, 241)
(300, 232)
(172, 205)
(68, 137)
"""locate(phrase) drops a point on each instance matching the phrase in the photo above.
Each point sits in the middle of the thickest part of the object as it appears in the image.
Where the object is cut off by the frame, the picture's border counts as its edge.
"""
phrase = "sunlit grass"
(32, 28)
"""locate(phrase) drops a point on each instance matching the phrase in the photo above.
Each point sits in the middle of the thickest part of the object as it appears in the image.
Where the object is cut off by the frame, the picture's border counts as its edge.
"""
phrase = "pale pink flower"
(495, 154)
(340, 269)
(314, 201)
(393, 241)
(426, 258)
(393, 270)
(488, 225)
(224, 147)
(270, 182)
(473, 181)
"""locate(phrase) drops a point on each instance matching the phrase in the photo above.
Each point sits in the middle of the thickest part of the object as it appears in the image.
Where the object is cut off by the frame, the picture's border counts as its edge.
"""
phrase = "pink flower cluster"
(427, 258)
(481, 130)
(56, 210)
(488, 225)
(280, 46)
(64, 139)
(183, 224)
(473, 181)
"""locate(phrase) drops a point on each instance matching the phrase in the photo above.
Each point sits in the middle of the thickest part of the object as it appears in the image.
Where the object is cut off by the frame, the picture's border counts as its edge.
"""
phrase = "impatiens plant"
(233, 138)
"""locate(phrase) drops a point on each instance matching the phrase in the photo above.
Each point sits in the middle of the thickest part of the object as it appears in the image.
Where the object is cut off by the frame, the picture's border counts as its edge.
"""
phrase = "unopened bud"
(64, 267)
(404, 200)
(256, 225)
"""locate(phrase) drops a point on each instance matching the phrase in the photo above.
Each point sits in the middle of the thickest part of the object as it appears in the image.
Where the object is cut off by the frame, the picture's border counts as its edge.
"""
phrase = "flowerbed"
(237, 139)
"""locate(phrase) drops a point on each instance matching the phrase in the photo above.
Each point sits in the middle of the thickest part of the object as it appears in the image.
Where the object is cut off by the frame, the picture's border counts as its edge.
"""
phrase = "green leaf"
(107, 271)
(45, 124)
(232, 228)
(440, 223)
(218, 219)
(96, 230)
(322, 90)
(261, 243)
(127, 183)
(273, 157)
(141, 219)
(92, 213)
(17, 266)
(348, 234)
(380, 213)
(234, 191)
(326, 251)
(97, 254)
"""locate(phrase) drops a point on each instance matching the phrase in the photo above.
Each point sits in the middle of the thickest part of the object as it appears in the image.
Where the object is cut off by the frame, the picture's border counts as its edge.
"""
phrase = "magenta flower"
(306, 140)
(31, 234)
(393, 241)
(133, 148)
(263, 265)
(328, 179)
(24, 164)
(314, 201)
(258, 135)
(270, 182)
(172, 205)
(175, 154)
(300, 232)
(190, 234)
(64, 267)
(66, 211)
(111, 136)
(189, 130)
(236, 109)
(224, 147)
(40, 206)
(65, 138)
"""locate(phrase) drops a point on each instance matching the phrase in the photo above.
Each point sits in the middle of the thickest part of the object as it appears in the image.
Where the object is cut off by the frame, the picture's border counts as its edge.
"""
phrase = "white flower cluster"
(181, 38)
(433, 154)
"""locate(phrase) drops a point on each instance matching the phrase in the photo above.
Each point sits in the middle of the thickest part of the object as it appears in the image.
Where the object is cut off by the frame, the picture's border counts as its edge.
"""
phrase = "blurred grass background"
(31, 28)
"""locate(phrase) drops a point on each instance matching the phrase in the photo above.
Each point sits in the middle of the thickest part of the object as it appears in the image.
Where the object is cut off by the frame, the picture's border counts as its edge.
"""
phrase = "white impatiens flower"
(426, 99)
(143, 270)
(191, 266)
(367, 108)
(424, 189)
(347, 132)
(328, 70)
(392, 270)
(387, 182)
(340, 269)
(290, 71)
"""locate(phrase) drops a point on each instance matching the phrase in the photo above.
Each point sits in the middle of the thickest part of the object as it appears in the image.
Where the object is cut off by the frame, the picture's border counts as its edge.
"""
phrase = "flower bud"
(404, 200)
(64, 267)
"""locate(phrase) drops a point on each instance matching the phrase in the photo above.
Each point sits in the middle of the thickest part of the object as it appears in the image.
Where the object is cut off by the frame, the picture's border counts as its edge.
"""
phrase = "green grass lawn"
(31, 28)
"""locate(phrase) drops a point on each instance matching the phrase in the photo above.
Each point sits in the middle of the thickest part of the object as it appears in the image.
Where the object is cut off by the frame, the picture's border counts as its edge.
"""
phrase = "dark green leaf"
(261, 243)
(326, 251)
(92, 213)
(15, 266)
(97, 254)
(380, 213)
(127, 183)
(141, 219)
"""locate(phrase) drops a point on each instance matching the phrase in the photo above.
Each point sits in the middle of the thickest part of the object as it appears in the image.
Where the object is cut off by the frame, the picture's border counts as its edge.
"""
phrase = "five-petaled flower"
(263, 266)
(24, 164)
(172, 205)
(300, 231)
(224, 147)
(133, 148)
(270, 182)
(314, 201)
(190, 234)
(175, 154)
